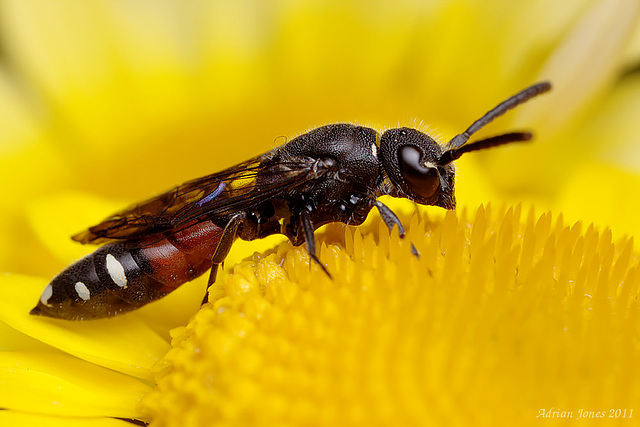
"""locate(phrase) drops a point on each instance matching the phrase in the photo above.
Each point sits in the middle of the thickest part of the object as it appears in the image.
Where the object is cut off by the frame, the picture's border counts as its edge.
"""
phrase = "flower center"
(498, 318)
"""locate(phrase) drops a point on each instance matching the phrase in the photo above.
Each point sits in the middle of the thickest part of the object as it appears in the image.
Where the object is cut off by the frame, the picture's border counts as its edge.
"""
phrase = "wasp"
(334, 173)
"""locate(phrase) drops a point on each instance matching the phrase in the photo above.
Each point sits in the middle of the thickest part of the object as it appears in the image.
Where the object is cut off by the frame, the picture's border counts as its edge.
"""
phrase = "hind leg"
(224, 246)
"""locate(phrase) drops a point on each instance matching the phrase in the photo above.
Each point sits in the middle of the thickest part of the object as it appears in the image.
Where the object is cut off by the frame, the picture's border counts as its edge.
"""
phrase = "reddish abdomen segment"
(121, 277)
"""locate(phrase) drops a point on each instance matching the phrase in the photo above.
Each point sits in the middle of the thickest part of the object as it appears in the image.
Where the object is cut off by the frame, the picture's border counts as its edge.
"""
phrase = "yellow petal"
(615, 130)
(582, 67)
(20, 419)
(30, 165)
(55, 218)
(12, 339)
(584, 64)
(24, 143)
(125, 344)
(605, 195)
(58, 384)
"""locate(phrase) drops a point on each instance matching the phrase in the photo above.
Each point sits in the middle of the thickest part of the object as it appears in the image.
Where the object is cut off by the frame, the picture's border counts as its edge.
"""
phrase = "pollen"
(502, 318)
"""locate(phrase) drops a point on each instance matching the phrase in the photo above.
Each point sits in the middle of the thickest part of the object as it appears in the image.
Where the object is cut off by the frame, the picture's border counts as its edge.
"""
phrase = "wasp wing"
(213, 196)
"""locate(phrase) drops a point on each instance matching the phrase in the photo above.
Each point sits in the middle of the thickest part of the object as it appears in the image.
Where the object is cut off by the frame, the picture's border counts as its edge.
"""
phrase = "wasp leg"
(224, 246)
(309, 238)
(391, 219)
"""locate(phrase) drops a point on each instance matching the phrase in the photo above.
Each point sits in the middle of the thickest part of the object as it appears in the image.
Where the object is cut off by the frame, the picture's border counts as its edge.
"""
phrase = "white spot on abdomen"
(83, 291)
(116, 271)
(46, 294)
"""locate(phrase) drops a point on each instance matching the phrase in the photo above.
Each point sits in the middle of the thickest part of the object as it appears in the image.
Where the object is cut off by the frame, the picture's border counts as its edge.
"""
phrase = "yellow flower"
(80, 371)
(498, 321)
(105, 103)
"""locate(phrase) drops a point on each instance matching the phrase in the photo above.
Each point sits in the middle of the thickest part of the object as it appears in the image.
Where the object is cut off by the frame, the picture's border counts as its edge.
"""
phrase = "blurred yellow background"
(105, 103)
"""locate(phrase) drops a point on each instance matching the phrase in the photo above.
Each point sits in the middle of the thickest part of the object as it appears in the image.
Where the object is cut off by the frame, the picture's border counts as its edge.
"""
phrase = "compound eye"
(422, 180)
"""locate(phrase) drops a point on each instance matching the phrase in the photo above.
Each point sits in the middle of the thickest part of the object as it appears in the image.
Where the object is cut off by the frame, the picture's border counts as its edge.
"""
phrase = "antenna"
(517, 99)
(506, 138)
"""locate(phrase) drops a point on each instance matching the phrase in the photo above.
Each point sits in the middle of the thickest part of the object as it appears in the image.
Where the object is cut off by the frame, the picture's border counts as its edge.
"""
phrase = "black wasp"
(333, 173)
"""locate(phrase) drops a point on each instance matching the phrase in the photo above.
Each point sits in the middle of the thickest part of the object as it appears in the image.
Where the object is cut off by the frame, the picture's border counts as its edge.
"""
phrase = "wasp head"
(411, 161)
(421, 170)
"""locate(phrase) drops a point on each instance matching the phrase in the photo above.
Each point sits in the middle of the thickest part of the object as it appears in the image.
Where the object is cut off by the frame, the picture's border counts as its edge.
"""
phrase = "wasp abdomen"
(121, 277)
(179, 257)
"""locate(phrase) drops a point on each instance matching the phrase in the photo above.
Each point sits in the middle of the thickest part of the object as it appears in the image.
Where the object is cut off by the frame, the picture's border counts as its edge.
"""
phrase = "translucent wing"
(213, 196)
